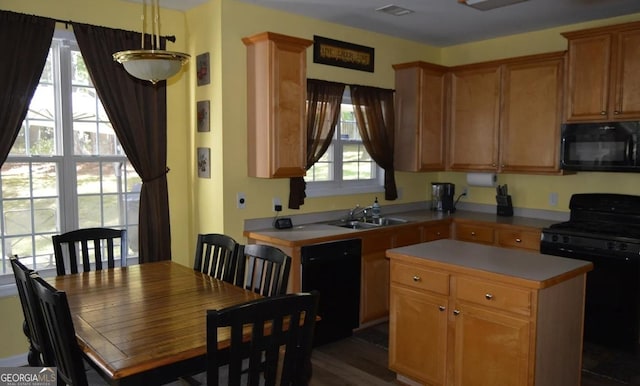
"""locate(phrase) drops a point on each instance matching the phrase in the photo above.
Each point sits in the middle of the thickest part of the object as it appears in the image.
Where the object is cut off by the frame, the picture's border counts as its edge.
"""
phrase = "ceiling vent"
(486, 5)
(394, 10)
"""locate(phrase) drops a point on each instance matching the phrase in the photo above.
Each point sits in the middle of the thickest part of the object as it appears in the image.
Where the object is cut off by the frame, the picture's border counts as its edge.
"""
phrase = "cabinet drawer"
(420, 278)
(475, 233)
(436, 232)
(490, 294)
(519, 239)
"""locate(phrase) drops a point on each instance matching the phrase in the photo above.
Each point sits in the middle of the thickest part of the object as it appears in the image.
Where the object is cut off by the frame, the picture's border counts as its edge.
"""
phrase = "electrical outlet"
(553, 199)
(277, 205)
(241, 200)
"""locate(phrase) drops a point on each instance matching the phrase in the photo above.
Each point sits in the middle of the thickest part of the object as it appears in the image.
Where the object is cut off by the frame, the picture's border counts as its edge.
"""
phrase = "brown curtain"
(138, 111)
(323, 111)
(25, 41)
(373, 108)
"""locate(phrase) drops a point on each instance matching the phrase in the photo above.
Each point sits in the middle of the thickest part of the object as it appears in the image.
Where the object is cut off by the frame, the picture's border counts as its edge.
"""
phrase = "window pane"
(17, 217)
(89, 211)
(15, 180)
(88, 178)
(45, 215)
(45, 179)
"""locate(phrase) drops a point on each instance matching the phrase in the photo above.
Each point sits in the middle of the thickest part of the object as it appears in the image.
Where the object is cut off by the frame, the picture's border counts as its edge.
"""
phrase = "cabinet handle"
(456, 312)
(518, 240)
(442, 308)
(603, 113)
(416, 278)
(488, 296)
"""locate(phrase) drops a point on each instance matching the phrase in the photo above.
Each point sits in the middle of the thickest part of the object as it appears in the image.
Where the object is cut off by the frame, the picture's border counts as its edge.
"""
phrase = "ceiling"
(443, 22)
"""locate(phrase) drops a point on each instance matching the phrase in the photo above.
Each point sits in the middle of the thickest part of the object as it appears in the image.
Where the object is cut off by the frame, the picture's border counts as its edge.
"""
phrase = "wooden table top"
(145, 323)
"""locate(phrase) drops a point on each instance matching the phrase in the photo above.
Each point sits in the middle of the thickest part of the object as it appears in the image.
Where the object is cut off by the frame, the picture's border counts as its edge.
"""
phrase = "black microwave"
(603, 146)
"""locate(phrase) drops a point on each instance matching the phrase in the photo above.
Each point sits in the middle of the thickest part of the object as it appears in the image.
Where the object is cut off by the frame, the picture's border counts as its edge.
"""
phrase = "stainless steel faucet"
(354, 212)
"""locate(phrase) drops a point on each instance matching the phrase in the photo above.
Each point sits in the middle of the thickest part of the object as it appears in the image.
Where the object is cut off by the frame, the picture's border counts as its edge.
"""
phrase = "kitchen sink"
(369, 223)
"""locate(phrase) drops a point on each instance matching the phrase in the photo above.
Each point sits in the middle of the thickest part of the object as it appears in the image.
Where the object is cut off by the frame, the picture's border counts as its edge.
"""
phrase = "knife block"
(505, 208)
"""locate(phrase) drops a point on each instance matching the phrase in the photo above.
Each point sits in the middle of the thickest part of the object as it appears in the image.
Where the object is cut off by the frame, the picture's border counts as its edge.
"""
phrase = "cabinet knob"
(473, 233)
(518, 240)
(456, 312)
(442, 308)
(437, 233)
(616, 112)
(603, 113)
(416, 278)
(488, 296)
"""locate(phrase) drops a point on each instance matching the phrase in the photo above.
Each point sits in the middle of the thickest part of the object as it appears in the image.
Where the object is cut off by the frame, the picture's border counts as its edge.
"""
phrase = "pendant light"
(153, 65)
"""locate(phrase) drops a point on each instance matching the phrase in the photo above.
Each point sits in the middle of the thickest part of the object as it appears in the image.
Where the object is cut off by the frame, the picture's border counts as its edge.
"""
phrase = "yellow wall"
(208, 205)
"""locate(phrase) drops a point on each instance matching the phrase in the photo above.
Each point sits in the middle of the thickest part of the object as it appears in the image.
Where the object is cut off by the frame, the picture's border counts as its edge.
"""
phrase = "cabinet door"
(436, 231)
(375, 277)
(516, 238)
(418, 334)
(475, 109)
(276, 102)
(490, 348)
(532, 94)
(475, 233)
(627, 76)
(588, 78)
(420, 107)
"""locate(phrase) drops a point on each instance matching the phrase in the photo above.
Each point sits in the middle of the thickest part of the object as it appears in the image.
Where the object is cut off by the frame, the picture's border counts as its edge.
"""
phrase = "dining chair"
(40, 353)
(61, 333)
(91, 244)
(263, 269)
(274, 348)
(217, 256)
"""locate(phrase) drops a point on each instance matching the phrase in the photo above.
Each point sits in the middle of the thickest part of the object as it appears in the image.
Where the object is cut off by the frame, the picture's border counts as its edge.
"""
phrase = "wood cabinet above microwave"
(603, 74)
(276, 99)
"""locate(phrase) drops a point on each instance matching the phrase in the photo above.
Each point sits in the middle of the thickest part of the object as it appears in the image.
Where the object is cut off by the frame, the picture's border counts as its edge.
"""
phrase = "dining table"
(146, 324)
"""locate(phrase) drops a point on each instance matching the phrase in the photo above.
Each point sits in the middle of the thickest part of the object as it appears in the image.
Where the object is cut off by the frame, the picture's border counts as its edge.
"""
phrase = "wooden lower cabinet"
(506, 236)
(374, 293)
(454, 329)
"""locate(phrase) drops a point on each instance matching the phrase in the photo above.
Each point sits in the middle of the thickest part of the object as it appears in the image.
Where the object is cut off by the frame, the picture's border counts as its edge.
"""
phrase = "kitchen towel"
(482, 179)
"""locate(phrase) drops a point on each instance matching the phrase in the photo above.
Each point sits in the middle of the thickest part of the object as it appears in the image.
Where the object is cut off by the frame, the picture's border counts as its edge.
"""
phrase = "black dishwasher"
(333, 269)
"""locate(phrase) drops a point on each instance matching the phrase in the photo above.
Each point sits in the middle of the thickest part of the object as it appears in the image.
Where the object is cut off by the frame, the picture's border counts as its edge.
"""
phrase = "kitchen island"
(463, 313)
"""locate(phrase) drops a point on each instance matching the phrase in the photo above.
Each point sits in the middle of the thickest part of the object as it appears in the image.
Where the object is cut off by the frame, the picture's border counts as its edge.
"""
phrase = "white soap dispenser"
(375, 209)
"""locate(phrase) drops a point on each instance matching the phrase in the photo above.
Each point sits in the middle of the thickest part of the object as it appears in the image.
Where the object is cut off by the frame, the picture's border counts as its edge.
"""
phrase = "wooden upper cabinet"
(532, 99)
(420, 117)
(474, 118)
(276, 98)
(603, 67)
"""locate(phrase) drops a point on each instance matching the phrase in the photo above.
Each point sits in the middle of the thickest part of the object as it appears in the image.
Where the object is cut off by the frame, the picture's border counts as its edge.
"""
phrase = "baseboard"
(14, 361)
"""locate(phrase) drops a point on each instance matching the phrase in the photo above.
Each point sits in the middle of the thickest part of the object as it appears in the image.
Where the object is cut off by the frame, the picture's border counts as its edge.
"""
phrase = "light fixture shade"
(151, 65)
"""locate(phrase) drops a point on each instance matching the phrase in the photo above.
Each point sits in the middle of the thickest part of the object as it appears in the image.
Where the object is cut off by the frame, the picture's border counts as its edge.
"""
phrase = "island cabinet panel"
(458, 317)
(604, 73)
(276, 100)
(419, 348)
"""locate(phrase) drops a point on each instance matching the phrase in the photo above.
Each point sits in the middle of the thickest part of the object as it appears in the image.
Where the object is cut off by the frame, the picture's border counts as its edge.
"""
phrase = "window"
(66, 169)
(346, 167)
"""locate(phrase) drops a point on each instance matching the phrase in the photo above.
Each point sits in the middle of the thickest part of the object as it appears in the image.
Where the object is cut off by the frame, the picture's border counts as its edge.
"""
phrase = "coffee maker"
(442, 197)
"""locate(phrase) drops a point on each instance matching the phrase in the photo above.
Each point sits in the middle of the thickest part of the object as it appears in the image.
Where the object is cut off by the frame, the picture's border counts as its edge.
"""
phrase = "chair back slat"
(62, 335)
(265, 269)
(40, 352)
(217, 256)
(277, 347)
(90, 244)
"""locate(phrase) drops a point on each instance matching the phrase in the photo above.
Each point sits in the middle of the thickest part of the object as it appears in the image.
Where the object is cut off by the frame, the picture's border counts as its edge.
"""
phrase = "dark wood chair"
(62, 334)
(283, 353)
(91, 244)
(217, 256)
(263, 269)
(40, 352)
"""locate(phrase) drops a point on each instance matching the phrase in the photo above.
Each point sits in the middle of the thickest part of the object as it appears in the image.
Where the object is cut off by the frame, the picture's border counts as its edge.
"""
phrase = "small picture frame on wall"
(202, 116)
(202, 69)
(204, 162)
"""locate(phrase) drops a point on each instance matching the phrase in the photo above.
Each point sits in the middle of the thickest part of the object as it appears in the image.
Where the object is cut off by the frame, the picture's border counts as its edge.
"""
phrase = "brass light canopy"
(152, 64)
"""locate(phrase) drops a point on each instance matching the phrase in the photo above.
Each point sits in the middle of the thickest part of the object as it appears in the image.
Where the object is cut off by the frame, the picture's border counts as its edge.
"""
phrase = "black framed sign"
(342, 54)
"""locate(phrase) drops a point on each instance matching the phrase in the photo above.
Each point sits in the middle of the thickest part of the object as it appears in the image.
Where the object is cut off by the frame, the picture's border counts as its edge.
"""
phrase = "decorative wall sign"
(202, 68)
(204, 162)
(202, 116)
(342, 54)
